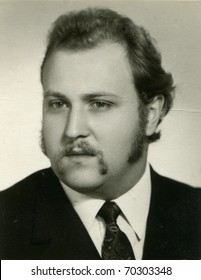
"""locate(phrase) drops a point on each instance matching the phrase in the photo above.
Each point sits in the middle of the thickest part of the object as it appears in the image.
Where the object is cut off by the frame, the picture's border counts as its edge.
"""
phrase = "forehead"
(104, 68)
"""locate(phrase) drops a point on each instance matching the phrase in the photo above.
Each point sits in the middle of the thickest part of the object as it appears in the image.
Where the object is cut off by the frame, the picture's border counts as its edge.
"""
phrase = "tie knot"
(109, 212)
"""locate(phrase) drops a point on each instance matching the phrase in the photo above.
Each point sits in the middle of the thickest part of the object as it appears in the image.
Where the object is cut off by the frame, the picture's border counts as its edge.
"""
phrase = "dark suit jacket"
(37, 221)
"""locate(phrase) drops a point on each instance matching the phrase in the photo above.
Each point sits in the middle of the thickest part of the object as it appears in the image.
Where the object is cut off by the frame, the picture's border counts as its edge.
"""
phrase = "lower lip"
(79, 157)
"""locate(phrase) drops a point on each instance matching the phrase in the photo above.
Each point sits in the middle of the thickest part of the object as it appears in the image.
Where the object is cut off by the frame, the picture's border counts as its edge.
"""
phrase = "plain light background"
(23, 28)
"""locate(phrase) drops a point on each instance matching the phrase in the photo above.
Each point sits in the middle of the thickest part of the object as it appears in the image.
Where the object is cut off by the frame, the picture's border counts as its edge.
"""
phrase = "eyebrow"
(85, 96)
(50, 93)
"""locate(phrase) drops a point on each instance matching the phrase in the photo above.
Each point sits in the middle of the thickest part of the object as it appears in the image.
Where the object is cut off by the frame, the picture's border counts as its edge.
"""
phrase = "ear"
(155, 113)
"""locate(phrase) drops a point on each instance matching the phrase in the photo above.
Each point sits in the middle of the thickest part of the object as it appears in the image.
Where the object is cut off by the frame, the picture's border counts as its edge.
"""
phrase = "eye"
(100, 105)
(57, 104)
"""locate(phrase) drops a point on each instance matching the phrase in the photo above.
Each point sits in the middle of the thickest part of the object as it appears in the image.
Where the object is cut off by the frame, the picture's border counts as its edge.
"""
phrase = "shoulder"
(174, 195)
(167, 184)
(26, 188)
(174, 219)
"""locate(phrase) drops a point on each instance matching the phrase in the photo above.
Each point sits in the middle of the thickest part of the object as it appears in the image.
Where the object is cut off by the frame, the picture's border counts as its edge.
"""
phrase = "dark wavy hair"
(85, 29)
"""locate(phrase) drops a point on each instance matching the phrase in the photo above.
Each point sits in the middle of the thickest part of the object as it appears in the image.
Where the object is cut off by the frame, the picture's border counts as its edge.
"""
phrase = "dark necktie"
(116, 245)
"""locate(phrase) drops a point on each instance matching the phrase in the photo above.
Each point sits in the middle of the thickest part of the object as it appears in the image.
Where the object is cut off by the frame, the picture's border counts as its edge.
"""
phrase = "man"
(105, 92)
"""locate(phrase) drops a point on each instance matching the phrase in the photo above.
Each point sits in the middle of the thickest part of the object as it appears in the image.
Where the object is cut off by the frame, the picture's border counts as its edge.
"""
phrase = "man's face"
(91, 126)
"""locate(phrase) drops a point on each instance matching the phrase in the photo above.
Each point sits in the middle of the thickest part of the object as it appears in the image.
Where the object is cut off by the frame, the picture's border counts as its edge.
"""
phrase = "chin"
(83, 182)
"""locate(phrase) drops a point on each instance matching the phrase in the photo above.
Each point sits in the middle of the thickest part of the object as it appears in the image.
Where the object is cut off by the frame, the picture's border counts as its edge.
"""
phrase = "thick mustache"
(81, 148)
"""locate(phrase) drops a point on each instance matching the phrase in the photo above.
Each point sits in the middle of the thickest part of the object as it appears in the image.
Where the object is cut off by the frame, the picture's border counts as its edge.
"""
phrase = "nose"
(76, 124)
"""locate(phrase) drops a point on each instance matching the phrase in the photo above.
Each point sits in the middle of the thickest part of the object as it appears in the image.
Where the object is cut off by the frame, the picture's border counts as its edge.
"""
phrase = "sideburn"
(140, 140)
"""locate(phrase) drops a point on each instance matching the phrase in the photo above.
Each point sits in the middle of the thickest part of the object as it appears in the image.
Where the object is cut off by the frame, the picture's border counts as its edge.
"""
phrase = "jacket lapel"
(58, 232)
(156, 243)
(171, 229)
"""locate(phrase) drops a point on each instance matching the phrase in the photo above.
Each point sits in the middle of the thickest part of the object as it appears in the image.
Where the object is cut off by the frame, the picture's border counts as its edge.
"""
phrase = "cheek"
(116, 137)
(52, 132)
(121, 125)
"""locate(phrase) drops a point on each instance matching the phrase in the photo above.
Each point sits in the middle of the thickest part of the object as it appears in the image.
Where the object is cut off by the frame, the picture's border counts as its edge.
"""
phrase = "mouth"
(79, 154)
(79, 157)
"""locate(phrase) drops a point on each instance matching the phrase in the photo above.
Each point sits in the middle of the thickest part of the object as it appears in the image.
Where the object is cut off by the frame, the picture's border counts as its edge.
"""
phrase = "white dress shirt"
(135, 208)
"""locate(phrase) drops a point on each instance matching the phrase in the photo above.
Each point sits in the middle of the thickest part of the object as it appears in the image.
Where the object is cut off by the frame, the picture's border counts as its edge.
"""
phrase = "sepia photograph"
(100, 125)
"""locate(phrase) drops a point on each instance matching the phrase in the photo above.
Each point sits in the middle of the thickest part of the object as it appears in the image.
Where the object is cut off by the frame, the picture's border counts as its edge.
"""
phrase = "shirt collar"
(134, 204)
(86, 207)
